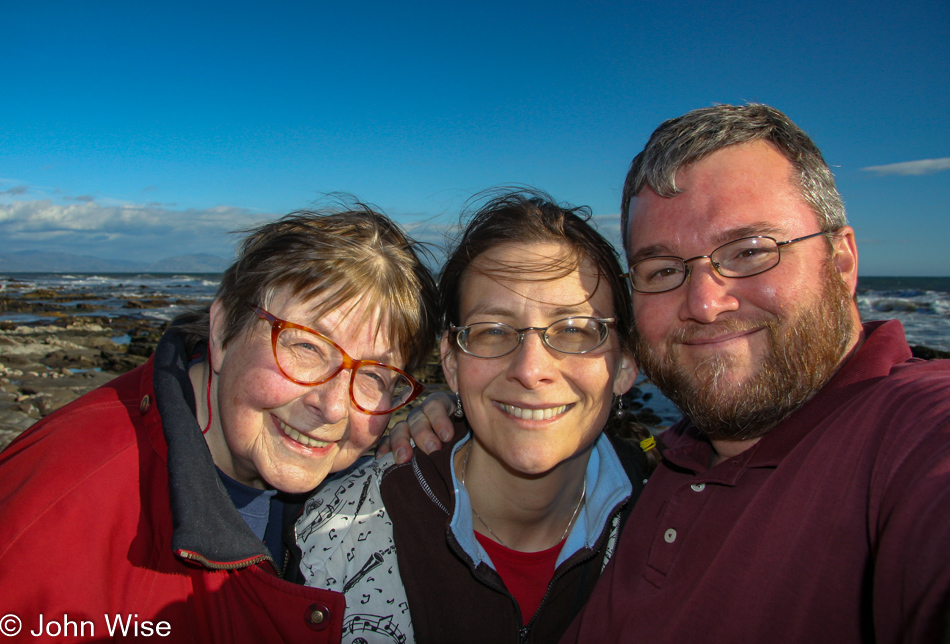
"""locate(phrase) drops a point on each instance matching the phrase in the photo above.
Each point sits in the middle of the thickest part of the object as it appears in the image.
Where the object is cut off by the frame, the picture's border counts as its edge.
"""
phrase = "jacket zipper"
(194, 556)
(525, 632)
(425, 487)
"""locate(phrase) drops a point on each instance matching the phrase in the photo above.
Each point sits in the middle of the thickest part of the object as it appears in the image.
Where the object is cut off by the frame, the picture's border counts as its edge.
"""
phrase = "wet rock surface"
(46, 366)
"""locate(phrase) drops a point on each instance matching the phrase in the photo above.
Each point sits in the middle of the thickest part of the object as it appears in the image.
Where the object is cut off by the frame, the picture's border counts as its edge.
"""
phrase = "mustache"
(696, 331)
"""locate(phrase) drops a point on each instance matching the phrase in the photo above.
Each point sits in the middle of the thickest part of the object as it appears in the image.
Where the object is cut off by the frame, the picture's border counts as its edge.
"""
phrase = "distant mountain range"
(45, 262)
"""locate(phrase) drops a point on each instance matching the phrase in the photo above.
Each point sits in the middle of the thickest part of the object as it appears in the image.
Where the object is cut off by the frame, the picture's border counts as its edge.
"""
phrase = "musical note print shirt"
(346, 540)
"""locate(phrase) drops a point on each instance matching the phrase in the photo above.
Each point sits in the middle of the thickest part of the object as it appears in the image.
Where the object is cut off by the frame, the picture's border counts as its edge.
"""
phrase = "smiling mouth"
(719, 339)
(303, 439)
(533, 414)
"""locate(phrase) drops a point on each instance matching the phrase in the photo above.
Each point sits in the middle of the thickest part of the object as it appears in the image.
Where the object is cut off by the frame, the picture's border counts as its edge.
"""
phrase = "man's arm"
(425, 425)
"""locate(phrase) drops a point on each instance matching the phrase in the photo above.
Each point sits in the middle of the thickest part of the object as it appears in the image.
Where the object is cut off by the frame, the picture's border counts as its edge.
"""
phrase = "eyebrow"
(756, 229)
(387, 357)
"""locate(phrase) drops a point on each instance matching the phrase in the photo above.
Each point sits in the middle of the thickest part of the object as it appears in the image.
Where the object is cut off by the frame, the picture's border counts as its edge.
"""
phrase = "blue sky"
(133, 130)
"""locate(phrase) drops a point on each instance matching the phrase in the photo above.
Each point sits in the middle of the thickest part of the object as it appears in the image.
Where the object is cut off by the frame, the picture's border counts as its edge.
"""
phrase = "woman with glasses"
(163, 497)
(502, 535)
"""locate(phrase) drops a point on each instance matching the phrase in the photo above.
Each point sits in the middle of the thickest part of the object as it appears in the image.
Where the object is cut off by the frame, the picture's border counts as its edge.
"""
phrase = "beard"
(804, 353)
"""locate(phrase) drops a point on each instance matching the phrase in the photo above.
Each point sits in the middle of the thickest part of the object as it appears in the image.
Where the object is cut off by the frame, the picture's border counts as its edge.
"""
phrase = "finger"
(437, 408)
(399, 442)
(419, 427)
(383, 447)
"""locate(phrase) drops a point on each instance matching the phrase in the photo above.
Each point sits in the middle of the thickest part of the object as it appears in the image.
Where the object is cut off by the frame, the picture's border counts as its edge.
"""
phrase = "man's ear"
(845, 256)
(216, 335)
(449, 362)
(626, 374)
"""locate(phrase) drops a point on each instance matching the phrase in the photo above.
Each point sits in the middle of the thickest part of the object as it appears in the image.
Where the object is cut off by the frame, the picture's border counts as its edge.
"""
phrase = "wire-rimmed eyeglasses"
(495, 339)
(309, 358)
(739, 258)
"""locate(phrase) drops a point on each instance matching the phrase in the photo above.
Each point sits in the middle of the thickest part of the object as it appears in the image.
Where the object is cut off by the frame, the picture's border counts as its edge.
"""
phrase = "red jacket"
(104, 514)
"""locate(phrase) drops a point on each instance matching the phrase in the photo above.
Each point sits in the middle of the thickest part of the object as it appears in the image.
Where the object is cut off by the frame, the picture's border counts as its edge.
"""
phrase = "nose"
(331, 400)
(532, 363)
(708, 294)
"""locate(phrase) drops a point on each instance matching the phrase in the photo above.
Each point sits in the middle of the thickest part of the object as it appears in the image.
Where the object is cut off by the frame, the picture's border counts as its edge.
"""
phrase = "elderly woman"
(502, 536)
(156, 505)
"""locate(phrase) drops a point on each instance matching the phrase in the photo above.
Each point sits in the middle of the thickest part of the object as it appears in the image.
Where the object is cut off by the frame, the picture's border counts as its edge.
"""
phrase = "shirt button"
(145, 404)
(670, 535)
(698, 487)
(318, 617)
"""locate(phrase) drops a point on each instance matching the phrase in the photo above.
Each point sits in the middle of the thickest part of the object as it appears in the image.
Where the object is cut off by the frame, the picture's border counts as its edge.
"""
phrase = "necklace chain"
(577, 507)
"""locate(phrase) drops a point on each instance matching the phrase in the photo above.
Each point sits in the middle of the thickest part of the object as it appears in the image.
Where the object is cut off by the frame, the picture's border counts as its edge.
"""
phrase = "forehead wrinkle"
(563, 310)
(382, 328)
(755, 229)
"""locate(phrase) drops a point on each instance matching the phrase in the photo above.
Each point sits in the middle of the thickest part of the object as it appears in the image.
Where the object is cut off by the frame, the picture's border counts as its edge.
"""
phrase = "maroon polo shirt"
(835, 527)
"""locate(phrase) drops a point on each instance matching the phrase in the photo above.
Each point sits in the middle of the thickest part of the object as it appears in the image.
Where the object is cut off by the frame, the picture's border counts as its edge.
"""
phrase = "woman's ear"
(626, 374)
(216, 335)
(449, 362)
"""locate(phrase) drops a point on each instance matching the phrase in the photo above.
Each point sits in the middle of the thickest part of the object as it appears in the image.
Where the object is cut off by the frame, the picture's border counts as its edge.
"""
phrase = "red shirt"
(526, 574)
(835, 527)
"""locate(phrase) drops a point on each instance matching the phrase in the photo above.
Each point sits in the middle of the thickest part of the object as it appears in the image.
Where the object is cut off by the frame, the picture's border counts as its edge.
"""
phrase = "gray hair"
(697, 134)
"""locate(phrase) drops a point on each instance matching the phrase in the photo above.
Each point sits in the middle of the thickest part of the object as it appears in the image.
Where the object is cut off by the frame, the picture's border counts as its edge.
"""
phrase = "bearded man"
(805, 496)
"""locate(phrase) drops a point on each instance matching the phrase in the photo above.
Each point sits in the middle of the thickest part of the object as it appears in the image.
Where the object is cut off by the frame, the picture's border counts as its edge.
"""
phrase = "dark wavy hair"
(525, 216)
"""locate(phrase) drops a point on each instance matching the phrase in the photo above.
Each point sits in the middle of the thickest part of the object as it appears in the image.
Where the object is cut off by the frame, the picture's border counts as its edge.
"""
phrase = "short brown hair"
(337, 255)
(687, 139)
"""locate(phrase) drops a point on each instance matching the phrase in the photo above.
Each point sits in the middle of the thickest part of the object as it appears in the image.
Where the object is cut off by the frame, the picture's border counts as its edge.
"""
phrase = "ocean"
(922, 304)
(107, 294)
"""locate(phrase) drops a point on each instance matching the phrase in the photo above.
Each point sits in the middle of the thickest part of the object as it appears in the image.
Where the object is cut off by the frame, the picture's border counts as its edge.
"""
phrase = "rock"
(141, 346)
(8, 432)
(121, 362)
(28, 408)
(44, 402)
(15, 420)
(926, 353)
(40, 294)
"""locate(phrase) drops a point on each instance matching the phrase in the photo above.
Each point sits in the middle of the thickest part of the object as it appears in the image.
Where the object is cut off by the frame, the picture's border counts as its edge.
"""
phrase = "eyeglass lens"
(741, 258)
(308, 358)
(570, 335)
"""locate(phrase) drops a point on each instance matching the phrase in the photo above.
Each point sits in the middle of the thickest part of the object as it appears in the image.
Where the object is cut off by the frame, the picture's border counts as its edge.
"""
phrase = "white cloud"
(609, 227)
(924, 166)
(129, 231)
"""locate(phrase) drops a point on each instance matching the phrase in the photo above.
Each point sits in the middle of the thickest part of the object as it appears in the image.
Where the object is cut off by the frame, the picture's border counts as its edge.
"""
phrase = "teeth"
(533, 414)
(300, 438)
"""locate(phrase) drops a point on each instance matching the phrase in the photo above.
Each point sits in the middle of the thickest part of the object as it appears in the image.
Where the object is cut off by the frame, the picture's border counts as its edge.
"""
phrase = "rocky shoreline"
(44, 365)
